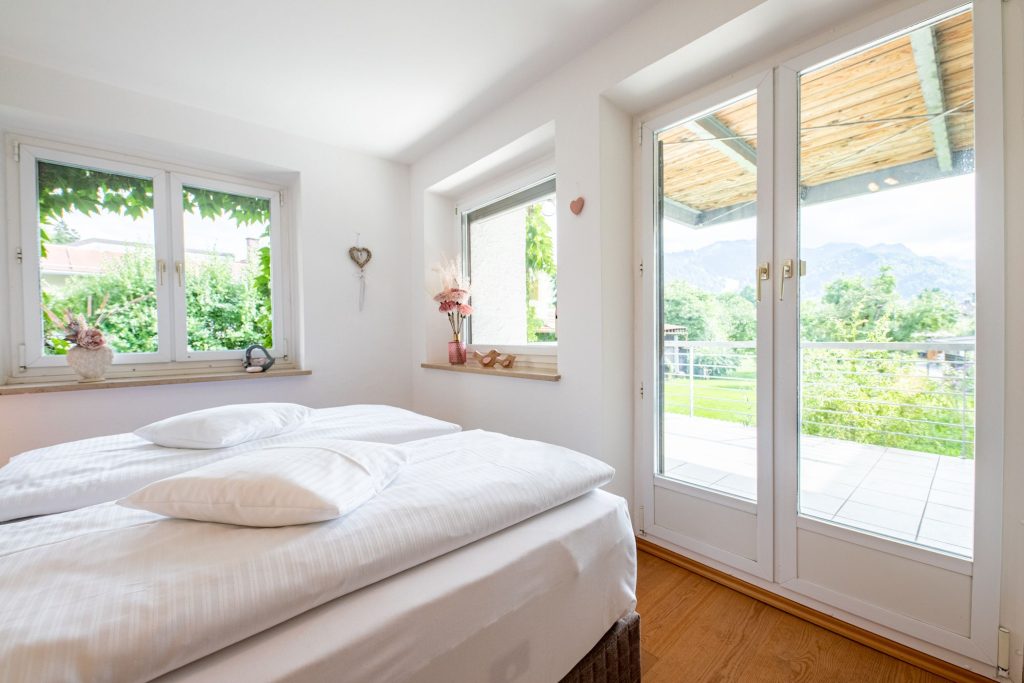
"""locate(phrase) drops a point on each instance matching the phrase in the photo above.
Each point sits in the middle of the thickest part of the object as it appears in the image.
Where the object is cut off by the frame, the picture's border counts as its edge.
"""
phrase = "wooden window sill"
(495, 372)
(122, 382)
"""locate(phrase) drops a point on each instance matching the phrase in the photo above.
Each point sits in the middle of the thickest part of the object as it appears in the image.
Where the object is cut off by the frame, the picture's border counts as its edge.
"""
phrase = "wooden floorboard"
(694, 630)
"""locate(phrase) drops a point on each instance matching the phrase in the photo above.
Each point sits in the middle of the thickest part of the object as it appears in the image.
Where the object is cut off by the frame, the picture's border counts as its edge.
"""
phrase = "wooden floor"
(693, 629)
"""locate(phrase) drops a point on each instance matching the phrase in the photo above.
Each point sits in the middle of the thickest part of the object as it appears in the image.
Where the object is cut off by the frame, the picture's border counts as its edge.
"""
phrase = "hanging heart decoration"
(360, 256)
(576, 206)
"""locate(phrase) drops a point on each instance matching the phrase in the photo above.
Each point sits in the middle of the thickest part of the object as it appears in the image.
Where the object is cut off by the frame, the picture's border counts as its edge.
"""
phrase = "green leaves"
(241, 209)
(540, 258)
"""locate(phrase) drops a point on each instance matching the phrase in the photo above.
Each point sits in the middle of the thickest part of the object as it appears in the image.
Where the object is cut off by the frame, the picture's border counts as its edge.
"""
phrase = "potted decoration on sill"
(453, 300)
(89, 355)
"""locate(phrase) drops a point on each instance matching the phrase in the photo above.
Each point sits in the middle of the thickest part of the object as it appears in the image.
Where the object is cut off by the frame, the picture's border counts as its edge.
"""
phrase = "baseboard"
(921, 660)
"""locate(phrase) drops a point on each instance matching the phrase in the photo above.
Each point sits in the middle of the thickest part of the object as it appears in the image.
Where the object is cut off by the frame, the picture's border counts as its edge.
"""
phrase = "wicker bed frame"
(615, 658)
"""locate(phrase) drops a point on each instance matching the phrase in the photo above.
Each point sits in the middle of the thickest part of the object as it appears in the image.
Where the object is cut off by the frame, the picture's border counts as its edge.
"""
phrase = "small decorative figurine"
(257, 359)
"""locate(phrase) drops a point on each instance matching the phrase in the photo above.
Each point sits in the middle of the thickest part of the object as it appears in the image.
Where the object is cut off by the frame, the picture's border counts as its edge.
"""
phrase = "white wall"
(661, 55)
(591, 408)
(355, 357)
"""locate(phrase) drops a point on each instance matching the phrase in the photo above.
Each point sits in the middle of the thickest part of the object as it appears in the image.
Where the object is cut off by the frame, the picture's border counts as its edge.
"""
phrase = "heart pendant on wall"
(360, 255)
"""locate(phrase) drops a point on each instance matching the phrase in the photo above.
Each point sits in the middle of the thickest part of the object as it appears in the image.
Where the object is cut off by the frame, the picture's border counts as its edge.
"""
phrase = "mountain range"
(729, 267)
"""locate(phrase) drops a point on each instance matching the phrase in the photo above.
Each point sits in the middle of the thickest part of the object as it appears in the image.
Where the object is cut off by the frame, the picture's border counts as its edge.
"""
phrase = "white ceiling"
(388, 78)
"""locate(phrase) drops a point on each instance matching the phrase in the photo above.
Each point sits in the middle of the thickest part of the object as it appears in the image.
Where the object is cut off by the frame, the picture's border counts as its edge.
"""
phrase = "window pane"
(708, 299)
(227, 270)
(97, 256)
(887, 304)
(513, 274)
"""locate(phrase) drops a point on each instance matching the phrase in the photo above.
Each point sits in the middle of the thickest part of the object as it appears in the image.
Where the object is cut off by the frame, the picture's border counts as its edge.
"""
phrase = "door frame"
(650, 402)
(985, 568)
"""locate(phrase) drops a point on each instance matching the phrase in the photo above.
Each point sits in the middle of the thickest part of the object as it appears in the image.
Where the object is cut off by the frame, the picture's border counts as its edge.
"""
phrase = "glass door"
(881, 357)
(824, 328)
(712, 298)
(887, 305)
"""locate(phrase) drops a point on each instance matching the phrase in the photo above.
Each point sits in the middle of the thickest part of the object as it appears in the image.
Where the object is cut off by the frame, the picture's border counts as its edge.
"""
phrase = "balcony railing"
(912, 396)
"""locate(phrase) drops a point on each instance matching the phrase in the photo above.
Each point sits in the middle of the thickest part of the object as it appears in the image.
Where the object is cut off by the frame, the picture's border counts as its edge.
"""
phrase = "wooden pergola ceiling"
(901, 112)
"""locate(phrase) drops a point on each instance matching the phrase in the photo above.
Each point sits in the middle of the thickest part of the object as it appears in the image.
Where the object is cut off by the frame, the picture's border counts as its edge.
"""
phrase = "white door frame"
(649, 359)
(985, 569)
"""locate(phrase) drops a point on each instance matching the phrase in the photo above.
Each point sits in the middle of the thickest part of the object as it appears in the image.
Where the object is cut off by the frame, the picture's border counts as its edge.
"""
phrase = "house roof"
(897, 113)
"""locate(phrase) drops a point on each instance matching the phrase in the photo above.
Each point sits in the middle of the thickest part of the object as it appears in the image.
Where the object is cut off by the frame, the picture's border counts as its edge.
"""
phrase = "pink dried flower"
(447, 306)
(90, 338)
(444, 295)
(466, 310)
(460, 296)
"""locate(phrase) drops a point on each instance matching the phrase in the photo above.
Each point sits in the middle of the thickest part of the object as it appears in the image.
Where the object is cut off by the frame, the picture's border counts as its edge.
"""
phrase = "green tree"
(540, 259)
(930, 312)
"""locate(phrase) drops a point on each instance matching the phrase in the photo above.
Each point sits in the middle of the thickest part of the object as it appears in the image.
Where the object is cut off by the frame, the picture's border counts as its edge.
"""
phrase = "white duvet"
(72, 475)
(112, 594)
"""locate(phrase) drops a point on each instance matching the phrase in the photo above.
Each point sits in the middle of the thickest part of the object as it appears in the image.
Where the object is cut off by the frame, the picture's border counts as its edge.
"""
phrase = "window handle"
(178, 268)
(761, 276)
(787, 274)
(161, 269)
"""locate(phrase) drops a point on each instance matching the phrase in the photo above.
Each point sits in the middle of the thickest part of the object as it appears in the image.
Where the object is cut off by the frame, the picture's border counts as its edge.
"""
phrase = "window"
(169, 267)
(510, 254)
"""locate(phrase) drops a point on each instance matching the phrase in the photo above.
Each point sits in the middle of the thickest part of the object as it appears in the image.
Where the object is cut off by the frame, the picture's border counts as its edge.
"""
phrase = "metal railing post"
(689, 360)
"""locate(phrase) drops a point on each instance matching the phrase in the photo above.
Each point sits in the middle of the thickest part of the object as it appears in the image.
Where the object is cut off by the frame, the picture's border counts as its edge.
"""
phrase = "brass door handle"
(179, 268)
(787, 273)
(761, 275)
(161, 269)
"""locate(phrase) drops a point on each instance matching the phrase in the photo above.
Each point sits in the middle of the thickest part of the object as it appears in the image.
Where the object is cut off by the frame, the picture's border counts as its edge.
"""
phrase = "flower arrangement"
(77, 330)
(453, 299)
(88, 353)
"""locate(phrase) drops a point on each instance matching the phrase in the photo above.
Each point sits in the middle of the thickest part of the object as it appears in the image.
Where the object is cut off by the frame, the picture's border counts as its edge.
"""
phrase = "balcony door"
(823, 328)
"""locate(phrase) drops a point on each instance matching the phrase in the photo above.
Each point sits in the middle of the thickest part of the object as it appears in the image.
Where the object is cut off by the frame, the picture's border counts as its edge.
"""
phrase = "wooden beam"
(680, 213)
(922, 41)
(727, 140)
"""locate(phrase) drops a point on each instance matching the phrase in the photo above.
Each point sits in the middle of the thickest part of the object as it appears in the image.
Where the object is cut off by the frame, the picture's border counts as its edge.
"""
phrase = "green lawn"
(731, 399)
(925, 422)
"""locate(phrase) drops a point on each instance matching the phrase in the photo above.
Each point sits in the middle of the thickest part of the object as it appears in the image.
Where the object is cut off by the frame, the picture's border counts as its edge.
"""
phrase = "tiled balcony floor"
(912, 496)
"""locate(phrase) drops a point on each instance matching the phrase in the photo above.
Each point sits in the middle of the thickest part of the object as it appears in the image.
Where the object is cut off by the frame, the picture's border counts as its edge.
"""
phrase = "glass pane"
(708, 311)
(227, 270)
(887, 305)
(97, 256)
(513, 274)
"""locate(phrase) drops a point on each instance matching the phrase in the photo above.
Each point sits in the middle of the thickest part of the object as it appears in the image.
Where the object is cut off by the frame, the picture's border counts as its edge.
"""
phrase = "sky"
(932, 219)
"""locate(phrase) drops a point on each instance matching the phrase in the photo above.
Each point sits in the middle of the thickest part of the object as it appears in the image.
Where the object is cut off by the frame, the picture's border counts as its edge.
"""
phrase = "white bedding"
(528, 602)
(72, 475)
(107, 593)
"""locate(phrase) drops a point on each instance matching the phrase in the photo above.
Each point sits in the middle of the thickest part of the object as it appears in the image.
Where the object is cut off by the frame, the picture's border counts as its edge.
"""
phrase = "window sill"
(123, 382)
(498, 372)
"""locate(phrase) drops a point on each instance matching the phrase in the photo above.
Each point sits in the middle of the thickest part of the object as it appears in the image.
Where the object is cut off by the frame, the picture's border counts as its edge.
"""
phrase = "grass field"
(928, 426)
(731, 399)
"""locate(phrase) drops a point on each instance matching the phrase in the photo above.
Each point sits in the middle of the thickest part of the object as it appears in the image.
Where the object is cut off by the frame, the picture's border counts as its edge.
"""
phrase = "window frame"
(495, 204)
(27, 357)
(180, 321)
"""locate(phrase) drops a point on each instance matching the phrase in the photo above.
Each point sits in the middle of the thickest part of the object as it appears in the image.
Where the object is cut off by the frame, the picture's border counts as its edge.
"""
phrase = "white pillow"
(278, 485)
(225, 426)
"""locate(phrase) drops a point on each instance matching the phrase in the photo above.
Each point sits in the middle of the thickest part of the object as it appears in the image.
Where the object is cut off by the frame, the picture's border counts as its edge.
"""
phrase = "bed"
(488, 559)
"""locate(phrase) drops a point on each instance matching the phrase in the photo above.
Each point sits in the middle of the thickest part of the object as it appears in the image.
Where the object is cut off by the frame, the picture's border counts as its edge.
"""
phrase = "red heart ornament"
(576, 205)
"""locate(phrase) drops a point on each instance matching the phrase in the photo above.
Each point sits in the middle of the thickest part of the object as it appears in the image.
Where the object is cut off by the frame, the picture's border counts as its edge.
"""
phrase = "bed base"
(615, 658)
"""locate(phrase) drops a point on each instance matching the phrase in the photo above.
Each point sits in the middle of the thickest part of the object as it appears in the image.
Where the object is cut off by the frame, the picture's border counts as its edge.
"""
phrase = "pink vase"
(456, 353)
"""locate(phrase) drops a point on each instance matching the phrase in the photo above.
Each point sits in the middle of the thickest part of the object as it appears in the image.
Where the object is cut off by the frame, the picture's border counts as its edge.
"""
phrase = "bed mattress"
(524, 604)
(107, 593)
